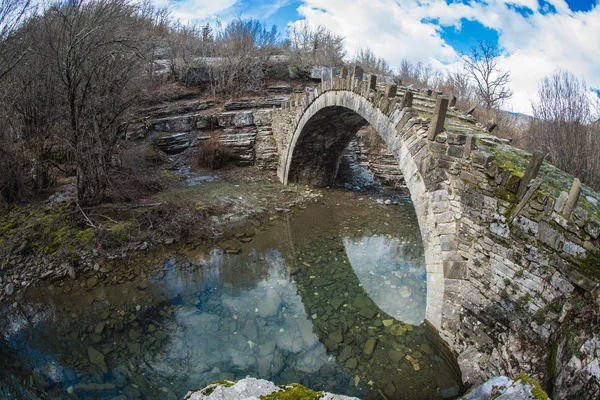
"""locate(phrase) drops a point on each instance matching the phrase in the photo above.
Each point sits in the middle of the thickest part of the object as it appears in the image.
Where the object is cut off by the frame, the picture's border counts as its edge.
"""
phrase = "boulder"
(252, 388)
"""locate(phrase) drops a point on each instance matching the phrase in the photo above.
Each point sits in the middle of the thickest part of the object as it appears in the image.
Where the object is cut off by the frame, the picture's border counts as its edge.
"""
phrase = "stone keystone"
(572, 199)
(439, 116)
(407, 100)
(530, 173)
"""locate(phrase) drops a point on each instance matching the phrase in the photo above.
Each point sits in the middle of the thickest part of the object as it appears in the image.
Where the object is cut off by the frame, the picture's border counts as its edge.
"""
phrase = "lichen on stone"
(536, 388)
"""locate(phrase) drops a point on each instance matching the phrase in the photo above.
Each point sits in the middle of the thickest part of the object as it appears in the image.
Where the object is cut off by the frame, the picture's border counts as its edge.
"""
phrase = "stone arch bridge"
(503, 239)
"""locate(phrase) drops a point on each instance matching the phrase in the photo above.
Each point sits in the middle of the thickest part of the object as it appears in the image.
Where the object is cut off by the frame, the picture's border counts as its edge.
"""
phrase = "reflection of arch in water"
(392, 274)
(408, 362)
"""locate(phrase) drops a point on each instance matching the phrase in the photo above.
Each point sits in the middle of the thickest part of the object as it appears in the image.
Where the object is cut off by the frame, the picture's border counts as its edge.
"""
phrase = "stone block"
(455, 151)
(456, 270)
(235, 119)
(500, 229)
(482, 158)
(550, 236)
(357, 74)
(454, 138)
(390, 90)
(592, 228)
(560, 202)
(527, 225)
(574, 250)
(407, 100)
(511, 183)
(448, 242)
(530, 173)
(371, 83)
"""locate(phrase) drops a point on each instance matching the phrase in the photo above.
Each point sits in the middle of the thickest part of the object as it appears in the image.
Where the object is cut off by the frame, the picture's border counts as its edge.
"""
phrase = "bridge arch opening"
(314, 151)
(321, 145)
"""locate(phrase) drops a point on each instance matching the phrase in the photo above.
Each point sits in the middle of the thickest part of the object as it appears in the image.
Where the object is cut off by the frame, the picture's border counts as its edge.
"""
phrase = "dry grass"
(213, 154)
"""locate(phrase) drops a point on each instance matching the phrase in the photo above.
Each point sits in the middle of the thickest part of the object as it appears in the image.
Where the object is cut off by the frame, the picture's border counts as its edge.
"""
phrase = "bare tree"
(458, 83)
(315, 46)
(491, 83)
(419, 74)
(371, 63)
(12, 48)
(243, 48)
(564, 126)
(189, 44)
(82, 69)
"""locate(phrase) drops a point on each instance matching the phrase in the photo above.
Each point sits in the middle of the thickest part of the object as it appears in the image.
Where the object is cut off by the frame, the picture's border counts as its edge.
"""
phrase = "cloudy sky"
(535, 36)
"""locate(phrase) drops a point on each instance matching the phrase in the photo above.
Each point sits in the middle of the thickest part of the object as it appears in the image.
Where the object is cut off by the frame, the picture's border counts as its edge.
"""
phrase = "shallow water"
(332, 297)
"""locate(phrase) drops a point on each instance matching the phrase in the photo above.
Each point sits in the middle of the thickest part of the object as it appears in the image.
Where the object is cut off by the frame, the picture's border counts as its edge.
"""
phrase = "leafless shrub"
(213, 154)
(419, 74)
(457, 83)
(14, 182)
(13, 46)
(136, 176)
(563, 126)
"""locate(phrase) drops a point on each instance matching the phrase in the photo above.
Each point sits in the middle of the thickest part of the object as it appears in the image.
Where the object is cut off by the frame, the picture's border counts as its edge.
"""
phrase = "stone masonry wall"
(508, 265)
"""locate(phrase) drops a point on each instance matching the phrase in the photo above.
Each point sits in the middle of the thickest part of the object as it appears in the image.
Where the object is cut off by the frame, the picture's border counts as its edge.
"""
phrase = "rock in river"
(369, 347)
(97, 358)
(269, 306)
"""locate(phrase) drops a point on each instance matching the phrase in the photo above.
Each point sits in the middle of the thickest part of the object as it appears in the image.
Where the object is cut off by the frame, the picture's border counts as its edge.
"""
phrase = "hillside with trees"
(73, 74)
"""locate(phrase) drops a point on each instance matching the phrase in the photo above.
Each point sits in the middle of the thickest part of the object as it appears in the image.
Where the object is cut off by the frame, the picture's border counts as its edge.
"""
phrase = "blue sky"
(535, 37)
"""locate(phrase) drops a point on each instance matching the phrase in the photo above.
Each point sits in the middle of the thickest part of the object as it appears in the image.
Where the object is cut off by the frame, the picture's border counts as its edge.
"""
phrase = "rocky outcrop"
(369, 153)
(503, 388)
(243, 125)
(578, 369)
(252, 388)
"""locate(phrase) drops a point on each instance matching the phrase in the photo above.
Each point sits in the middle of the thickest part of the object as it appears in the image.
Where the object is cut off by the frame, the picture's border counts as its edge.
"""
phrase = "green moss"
(119, 233)
(293, 391)
(153, 155)
(540, 316)
(536, 388)
(504, 294)
(590, 267)
(523, 301)
(167, 174)
(208, 389)
(86, 237)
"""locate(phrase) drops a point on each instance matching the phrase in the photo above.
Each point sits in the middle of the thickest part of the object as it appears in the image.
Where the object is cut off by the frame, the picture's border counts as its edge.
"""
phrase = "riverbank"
(53, 240)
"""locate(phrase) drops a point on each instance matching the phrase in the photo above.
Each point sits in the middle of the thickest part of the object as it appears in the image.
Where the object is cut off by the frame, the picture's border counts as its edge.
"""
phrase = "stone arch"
(312, 156)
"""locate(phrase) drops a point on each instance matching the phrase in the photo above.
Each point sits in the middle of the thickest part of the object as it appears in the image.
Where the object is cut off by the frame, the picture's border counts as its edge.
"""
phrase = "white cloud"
(534, 46)
(196, 10)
